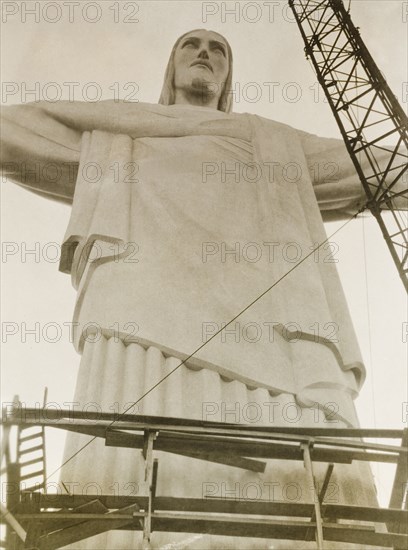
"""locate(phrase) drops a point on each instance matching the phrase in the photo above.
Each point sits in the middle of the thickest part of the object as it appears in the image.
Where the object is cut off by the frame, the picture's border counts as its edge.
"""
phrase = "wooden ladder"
(30, 452)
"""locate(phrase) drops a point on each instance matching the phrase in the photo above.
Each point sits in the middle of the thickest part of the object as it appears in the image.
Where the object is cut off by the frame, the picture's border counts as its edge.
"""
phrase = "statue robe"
(155, 212)
(162, 194)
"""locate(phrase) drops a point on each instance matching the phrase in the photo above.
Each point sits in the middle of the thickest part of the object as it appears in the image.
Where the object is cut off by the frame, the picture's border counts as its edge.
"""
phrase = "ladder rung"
(28, 437)
(30, 450)
(35, 487)
(32, 474)
(32, 461)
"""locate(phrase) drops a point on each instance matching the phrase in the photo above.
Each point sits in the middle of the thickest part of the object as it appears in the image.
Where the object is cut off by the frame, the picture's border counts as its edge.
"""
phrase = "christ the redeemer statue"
(183, 213)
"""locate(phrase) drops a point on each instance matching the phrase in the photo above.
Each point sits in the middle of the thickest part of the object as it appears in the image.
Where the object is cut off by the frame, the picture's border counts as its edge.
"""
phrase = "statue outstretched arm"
(41, 141)
(337, 186)
(38, 151)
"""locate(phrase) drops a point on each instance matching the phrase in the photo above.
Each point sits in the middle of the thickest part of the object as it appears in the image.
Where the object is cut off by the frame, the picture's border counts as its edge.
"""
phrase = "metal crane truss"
(367, 113)
(35, 519)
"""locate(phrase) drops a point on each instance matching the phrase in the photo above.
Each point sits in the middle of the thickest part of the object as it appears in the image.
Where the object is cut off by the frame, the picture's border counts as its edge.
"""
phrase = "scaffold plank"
(89, 528)
(40, 416)
(226, 459)
(219, 506)
(290, 450)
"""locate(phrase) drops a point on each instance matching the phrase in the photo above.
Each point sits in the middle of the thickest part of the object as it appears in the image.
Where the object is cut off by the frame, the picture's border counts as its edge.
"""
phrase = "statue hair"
(167, 96)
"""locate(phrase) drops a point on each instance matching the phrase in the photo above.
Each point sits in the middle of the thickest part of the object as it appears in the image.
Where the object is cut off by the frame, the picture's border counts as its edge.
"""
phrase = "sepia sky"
(112, 58)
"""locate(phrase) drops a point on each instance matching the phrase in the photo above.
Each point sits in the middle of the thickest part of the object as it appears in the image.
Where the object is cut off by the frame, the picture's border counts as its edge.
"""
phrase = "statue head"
(200, 67)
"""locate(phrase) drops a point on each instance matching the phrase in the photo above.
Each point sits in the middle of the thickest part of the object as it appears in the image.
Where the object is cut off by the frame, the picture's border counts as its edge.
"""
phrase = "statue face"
(201, 63)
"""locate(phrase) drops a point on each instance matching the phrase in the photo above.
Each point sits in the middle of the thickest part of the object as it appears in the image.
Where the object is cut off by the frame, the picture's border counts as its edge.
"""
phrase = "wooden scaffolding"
(39, 520)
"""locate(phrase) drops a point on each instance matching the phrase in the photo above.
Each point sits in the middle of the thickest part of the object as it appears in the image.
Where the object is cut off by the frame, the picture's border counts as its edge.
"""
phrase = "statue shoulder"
(309, 142)
(268, 124)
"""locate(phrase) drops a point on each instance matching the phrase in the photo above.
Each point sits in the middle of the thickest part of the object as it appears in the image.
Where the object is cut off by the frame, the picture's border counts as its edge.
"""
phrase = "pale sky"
(122, 58)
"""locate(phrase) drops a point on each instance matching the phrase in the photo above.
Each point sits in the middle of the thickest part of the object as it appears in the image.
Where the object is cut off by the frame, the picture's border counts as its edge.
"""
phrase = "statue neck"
(190, 97)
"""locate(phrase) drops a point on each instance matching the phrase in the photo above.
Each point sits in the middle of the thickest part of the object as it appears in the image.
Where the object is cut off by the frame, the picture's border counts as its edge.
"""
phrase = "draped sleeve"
(337, 187)
(38, 151)
(41, 141)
